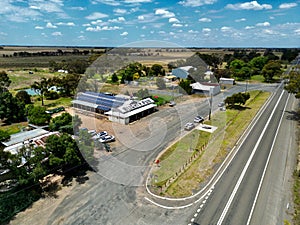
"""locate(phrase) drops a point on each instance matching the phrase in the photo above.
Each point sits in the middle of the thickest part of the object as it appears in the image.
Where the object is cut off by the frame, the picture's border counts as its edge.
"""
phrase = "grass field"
(21, 79)
(220, 143)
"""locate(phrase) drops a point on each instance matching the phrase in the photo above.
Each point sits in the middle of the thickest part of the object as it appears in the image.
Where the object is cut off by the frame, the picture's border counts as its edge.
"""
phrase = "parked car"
(92, 132)
(189, 126)
(221, 104)
(172, 103)
(99, 135)
(107, 138)
(198, 119)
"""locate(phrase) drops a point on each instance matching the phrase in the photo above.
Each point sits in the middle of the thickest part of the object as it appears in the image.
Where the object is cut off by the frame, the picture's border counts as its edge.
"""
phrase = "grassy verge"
(296, 191)
(14, 128)
(233, 122)
(64, 101)
(296, 197)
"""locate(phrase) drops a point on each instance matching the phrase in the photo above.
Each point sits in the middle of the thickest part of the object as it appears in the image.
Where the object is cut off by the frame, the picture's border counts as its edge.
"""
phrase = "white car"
(189, 126)
(107, 138)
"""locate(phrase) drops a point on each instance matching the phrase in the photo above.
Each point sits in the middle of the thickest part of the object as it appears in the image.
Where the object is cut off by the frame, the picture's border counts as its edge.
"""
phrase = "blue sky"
(187, 23)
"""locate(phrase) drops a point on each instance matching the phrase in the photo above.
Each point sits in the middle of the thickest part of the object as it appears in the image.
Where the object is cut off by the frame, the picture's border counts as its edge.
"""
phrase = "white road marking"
(168, 207)
(267, 163)
(236, 187)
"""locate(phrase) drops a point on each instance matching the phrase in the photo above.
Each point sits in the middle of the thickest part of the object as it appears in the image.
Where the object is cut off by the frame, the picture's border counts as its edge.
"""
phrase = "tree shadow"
(237, 107)
(293, 115)
(80, 175)
(50, 188)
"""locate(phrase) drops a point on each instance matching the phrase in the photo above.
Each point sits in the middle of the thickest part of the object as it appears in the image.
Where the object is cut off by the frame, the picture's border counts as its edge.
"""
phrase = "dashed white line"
(196, 214)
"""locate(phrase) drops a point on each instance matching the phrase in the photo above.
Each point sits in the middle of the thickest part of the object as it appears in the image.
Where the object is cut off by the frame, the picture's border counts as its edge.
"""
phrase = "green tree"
(185, 87)
(24, 97)
(258, 63)
(293, 85)
(64, 152)
(114, 78)
(238, 98)
(157, 70)
(37, 115)
(240, 69)
(4, 136)
(11, 109)
(41, 87)
(4, 82)
(62, 123)
(271, 69)
(161, 83)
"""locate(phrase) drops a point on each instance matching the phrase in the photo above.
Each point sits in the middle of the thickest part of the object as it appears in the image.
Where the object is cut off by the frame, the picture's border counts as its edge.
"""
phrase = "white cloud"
(177, 25)
(86, 25)
(253, 5)
(117, 20)
(104, 28)
(249, 27)
(70, 24)
(264, 24)
(57, 33)
(78, 8)
(96, 15)
(50, 6)
(270, 32)
(206, 20)
(50, 25)
(120, 11)
(164, 13)
(173, 20)
(287, 5)
(226, 29)
(137, 1)
(193, 31)
(97, 22)
(195, 3)
(206, 30)
(107, 2)
(141, 17)
(240, 20)
(124, 33)
(297, 31)
(38, 27)
(81, 37)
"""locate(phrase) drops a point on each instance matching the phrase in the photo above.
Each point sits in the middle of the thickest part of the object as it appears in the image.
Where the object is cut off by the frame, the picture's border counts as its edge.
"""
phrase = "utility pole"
(210, 103)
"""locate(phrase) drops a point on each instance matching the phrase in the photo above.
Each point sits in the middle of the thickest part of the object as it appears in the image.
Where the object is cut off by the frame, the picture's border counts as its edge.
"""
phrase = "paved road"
(234, 205)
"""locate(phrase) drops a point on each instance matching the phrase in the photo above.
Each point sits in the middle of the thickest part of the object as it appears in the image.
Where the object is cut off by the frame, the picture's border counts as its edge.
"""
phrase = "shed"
(206, 88)
(227, 81)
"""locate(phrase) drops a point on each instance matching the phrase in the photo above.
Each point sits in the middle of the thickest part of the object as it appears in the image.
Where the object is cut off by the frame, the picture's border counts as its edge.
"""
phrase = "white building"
(227, 81)
(131, 110)
(206, 88)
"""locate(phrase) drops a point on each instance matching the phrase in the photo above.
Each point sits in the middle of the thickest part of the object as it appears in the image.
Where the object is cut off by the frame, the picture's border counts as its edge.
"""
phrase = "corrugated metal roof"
(23, 136)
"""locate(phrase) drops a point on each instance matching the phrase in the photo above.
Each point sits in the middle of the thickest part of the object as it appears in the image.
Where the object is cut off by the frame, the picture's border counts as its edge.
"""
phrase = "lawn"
(63, 101)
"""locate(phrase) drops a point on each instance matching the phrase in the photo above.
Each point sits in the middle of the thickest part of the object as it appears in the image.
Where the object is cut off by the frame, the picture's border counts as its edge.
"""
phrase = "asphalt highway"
(233, 197)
